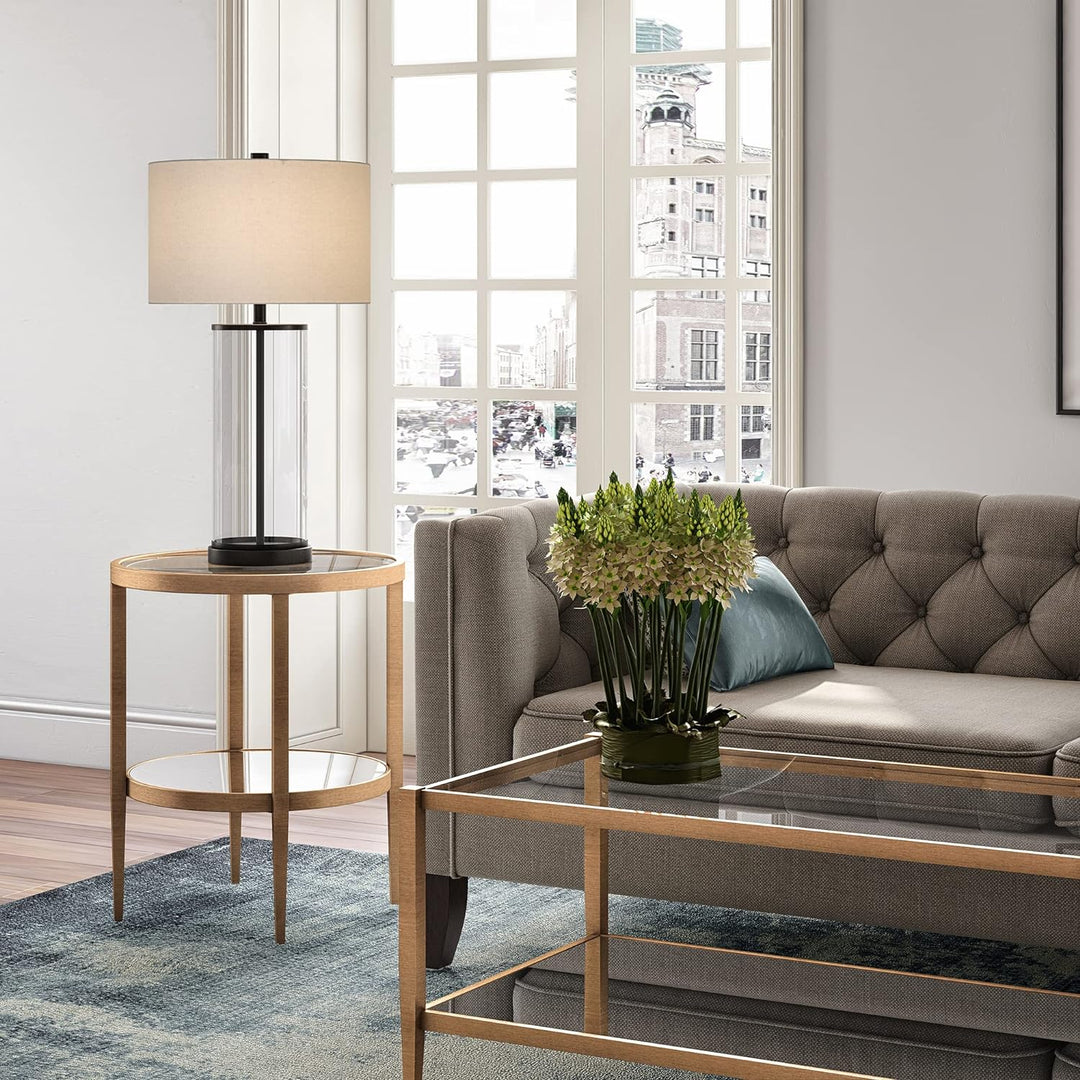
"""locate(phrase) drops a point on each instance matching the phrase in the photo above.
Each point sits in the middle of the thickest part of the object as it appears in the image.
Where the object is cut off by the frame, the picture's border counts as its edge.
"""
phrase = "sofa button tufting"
(782, 542)
(921, 613)
(1076, 557)
(823, 606)
(879, 547)
(976, 552)
(1021, 617)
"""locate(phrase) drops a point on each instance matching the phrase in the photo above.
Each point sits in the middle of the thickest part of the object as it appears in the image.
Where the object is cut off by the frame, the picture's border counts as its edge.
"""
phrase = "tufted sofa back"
(944, 580)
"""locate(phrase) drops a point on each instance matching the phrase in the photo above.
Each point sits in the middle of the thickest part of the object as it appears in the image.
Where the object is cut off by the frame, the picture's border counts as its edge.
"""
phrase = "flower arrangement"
(638, 559)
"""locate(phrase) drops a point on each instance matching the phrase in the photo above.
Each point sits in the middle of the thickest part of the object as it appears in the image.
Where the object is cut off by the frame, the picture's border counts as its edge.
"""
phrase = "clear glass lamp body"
(250, 530)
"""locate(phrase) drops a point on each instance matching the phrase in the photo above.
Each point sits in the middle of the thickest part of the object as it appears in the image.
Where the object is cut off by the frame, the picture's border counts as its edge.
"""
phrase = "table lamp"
(259, 231)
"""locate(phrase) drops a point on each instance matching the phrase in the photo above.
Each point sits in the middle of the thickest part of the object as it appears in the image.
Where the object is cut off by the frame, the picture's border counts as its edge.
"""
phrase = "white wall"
(105, 402)
(929, 248)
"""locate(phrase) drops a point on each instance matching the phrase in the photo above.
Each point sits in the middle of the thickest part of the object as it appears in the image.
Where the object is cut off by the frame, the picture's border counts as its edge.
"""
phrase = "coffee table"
(513, 791)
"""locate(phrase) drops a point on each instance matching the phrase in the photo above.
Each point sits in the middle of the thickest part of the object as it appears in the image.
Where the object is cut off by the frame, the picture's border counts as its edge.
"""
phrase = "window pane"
(533, 229)
(534, 339)
(757, 341)
(435, 338)
(405, 519)
(533, 448)
(678, 340)
(755, 225)
(533, 120)
(687, 241)
(435, 123)
(688, 438)
(755, 444)
(427, 33)
(666, 25)
(755, 24)
(681, 115)
(530, 28)
(755, 110)
(436, 447)
(435, 231)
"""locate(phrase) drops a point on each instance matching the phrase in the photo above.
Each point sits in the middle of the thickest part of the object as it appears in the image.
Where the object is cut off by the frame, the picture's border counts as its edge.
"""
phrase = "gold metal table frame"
(466, 795)
(188, 572)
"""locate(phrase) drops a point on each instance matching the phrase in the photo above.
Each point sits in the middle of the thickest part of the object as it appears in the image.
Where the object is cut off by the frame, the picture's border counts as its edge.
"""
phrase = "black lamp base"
(248, 551)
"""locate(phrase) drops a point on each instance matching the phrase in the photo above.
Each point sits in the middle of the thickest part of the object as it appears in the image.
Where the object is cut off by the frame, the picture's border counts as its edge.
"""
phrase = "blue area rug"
(192, 987)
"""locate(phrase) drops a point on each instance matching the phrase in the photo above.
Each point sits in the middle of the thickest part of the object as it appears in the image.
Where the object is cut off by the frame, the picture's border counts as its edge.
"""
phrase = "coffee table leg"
(394, 746)
(118, 739)
(279, 747)
(596, 906)
(235, 721)
(408, 814)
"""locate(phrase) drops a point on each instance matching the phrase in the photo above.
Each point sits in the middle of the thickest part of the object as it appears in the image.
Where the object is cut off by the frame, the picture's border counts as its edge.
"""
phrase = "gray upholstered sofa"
(954, 620)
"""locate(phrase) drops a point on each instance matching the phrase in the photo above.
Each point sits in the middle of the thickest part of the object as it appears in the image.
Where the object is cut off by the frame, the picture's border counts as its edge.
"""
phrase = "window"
(704, 355)
(702, 423)
(705, 265)
(501, 244)
(758, 359)
(754, 420)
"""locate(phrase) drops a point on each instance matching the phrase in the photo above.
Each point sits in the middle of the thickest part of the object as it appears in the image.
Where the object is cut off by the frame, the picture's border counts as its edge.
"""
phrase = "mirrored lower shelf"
(240, 780)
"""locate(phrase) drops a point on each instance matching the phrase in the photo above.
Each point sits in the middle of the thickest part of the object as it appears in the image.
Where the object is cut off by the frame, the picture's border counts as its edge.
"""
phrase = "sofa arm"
(1067, 763)
(487, 631)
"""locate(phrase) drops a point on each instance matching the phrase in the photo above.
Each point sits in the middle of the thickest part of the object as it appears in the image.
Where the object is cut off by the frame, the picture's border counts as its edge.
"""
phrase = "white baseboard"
(64, 733)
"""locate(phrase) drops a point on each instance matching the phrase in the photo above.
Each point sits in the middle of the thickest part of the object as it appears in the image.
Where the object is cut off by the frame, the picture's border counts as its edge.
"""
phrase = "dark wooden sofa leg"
(446, 900)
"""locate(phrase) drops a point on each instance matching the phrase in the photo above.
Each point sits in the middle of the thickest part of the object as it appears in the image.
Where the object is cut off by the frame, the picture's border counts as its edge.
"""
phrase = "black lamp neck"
(258, 314)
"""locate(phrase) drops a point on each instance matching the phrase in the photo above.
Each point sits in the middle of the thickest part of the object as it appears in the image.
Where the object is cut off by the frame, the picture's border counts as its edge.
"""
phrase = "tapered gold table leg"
(394, 712)
(596, 906)
(279, 746)
(118, 739)
(235, 721)
(408, 814)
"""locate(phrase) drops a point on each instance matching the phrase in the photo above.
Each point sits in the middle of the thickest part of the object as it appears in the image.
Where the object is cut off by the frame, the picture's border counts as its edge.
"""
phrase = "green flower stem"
(596, 615)
(708, 637)
(699, 664)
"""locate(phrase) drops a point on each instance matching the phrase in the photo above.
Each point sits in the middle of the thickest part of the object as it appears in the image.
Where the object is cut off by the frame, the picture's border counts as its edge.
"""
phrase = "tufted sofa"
(954, 620)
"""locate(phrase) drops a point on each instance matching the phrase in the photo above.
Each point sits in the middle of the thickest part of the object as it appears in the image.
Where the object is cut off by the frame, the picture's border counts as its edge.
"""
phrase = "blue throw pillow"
(765, 633)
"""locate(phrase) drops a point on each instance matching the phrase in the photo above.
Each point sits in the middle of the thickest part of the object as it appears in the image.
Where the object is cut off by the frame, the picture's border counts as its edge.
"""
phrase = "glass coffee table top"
(213, 772)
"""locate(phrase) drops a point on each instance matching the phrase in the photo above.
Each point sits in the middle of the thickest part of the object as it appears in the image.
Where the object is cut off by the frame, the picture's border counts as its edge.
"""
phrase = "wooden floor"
(54, 826)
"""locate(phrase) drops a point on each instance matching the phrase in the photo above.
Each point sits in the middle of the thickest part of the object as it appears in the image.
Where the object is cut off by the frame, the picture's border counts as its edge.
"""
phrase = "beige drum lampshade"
(259, 231)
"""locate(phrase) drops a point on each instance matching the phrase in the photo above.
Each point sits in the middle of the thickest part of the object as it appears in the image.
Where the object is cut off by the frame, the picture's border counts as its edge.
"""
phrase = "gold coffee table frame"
(465, 795)
(188, 572)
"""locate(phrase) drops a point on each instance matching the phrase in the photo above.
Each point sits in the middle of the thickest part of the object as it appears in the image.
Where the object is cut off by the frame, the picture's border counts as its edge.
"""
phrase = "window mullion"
(483, 250)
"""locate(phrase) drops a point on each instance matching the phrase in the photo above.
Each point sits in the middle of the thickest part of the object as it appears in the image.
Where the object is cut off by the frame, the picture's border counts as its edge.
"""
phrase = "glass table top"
(1009, 812)
(196, 562)
(309, 770)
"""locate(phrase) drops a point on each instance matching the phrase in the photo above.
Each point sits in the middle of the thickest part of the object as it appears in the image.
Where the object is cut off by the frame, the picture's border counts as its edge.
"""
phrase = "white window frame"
(605, 283)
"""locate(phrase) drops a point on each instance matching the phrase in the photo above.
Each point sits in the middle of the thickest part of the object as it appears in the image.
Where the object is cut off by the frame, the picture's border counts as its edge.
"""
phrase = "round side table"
(239, 779)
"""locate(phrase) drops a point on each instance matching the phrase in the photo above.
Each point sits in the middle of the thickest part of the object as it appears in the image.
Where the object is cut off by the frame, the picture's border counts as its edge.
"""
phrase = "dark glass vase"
(655, 755)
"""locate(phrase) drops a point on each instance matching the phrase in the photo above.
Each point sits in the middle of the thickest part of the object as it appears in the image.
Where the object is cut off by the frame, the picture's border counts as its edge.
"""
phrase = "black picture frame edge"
(1059, 198)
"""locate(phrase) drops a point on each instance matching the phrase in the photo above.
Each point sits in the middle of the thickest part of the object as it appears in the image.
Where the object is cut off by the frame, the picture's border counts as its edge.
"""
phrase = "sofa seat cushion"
(1067, 810)
(826, 1038)
(892, 714)
(1067, 1063)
